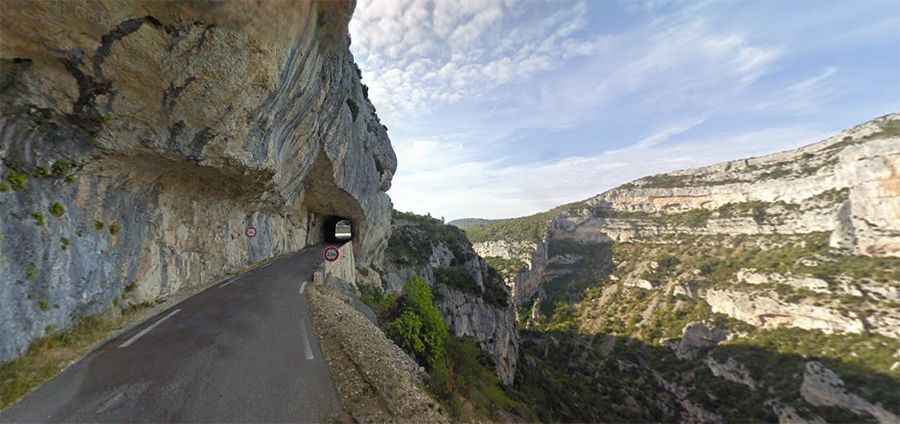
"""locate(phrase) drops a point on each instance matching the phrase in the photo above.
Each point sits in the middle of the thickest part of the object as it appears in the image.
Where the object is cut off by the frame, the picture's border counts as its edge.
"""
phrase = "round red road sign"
(250, 232)
(331, 253)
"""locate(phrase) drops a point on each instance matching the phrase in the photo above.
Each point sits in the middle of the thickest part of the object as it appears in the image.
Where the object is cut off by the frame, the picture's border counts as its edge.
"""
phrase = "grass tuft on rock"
(30, 272)
(57, 210)
(17, 180)
(48, 355)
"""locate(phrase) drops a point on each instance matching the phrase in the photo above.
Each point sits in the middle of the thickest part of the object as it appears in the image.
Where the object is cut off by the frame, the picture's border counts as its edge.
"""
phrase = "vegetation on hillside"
(420, 330)
(760, 212)
(507, 268)
(461, 374)
(754, 172)
(414, 236)
(456, 277)
(413, 241)
(617, 328)
(578, 377)
(526, 228)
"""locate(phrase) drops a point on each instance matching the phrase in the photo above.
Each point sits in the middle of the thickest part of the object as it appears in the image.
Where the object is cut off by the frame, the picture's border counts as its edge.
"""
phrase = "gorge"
(739, 279)
(158, 152)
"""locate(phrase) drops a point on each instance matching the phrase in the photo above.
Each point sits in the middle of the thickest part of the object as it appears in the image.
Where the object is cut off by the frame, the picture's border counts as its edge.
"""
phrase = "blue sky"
(501, 108)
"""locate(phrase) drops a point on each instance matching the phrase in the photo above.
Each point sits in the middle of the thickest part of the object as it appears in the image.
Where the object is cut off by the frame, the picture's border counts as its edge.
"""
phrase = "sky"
(503, 108)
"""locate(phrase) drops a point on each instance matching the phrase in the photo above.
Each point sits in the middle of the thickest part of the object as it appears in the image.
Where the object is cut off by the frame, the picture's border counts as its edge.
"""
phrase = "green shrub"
(4, 187)
(420, 330)
(114, 228)
(692, 218)
(98, 225)
(473, 378)
(61, 168)
(666, 268)
(495, 291)
(413, 244)
(38, 218)
(506, 267)
(407, 332)
(43, 304)
(17, 180)
(456, 277)
(383, 305)
(30, 272)
(40, 171)
(57, 210)
(64, 243)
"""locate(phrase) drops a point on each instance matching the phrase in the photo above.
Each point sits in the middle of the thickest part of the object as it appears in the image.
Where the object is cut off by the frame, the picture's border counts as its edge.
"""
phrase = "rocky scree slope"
(139, 139)
(764, 289)
(469, 293)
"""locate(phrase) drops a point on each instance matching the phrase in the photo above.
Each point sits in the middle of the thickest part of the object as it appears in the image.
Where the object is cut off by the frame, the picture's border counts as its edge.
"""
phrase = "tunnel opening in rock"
(337, 229)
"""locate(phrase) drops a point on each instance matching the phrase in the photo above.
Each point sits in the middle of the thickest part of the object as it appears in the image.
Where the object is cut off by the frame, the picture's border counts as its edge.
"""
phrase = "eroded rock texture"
(715, 287)
(471, 296)
(139, 139)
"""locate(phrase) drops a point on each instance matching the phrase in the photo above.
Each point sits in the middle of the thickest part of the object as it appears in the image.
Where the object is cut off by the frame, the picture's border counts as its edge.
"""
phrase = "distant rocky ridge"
(791, 257)
(140, 139)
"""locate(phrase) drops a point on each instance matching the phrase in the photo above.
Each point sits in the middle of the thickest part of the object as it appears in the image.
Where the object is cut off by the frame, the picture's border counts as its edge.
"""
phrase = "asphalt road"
(241, 351)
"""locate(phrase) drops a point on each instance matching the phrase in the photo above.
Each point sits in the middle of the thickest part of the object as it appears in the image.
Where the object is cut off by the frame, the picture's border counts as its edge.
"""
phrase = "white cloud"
(805, 96)
(669, 132)
(672, 66)
(416, 54)
(814, 81)
(513, 70)
(444, 179)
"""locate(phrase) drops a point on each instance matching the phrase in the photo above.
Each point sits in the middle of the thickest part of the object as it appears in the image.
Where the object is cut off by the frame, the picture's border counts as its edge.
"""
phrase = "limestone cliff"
(139, 140)
(468, 292)
(733, 291)
(847, 185)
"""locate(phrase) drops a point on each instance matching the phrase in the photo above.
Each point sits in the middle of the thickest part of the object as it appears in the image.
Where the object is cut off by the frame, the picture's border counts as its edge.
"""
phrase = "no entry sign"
(250, 232)
(331, 253)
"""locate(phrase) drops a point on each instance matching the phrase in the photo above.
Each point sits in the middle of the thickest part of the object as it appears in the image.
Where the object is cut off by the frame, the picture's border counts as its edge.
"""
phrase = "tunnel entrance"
(337, 229)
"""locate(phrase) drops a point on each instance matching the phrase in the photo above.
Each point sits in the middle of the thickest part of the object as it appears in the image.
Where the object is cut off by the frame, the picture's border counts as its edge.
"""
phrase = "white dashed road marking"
(303, 287)
(147, 330)
(307, 348)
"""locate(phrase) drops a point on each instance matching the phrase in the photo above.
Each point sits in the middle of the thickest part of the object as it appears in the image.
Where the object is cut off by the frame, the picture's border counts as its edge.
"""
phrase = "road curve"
(241, 351)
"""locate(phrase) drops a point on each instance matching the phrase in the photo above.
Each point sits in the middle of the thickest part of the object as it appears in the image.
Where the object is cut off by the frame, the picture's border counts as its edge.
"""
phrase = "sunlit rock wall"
(139, 140)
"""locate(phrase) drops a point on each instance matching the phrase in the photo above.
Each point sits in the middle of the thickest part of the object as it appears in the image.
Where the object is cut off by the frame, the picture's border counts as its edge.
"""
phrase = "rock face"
(140, 139)
(764, 311)
(847, 185)
(696, 337)
(821, 386)
(718, 283)
(471, 296)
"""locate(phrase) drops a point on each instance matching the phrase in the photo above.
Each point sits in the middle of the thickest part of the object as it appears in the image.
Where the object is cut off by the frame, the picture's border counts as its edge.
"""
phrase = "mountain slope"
(767, 287)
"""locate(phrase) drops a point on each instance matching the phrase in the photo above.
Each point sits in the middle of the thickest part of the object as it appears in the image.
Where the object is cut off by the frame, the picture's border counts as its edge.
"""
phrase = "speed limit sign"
(331, 253)
(250, 232)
